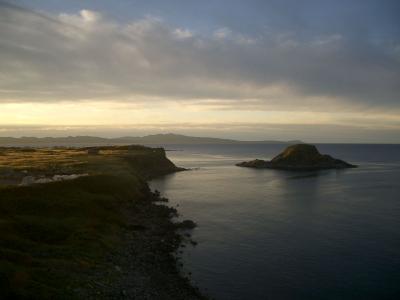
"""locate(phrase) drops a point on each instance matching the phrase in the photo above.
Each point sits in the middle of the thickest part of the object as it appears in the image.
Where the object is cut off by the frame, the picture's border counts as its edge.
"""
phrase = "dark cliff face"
(300, 157)
(152, 164)
(144, 161)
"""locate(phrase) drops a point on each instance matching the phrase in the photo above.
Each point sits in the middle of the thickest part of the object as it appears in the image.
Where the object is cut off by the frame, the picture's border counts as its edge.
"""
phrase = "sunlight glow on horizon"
(124, 114)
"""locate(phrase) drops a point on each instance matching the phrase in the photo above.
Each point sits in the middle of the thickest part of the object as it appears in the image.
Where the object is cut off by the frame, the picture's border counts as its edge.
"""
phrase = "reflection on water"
(266, 234)
(307, 175)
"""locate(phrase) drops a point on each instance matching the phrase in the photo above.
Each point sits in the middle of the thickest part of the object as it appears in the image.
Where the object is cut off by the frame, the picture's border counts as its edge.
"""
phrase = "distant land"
(155, 139)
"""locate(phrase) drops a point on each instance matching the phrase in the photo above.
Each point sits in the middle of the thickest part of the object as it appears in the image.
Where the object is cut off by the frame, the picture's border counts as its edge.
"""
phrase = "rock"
(186, 224)
(27, 180)
(137, 227)
(300, 157)
(257, 164)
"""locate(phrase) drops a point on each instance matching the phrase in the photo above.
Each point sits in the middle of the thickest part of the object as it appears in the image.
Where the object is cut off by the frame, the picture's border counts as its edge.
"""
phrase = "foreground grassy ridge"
(16, 163)
(52, 235)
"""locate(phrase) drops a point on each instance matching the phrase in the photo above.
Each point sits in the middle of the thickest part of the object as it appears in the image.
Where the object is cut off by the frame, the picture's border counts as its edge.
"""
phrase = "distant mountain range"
(156, 139)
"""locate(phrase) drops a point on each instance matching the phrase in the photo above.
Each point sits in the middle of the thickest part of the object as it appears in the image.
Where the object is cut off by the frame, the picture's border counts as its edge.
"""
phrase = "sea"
(272, 234)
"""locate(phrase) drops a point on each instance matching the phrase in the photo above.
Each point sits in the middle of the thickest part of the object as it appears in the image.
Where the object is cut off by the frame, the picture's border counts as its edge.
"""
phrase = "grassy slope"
(53, 234)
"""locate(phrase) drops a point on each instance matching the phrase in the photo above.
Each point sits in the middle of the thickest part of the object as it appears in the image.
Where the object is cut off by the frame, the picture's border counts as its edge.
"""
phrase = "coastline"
(104, 235)
(145, 266)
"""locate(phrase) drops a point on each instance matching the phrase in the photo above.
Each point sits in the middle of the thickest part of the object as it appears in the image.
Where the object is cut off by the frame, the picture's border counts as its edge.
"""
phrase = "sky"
(314, 70)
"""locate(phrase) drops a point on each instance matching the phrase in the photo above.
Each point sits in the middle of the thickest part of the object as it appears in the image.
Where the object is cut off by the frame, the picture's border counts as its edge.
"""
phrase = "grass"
(52, 235)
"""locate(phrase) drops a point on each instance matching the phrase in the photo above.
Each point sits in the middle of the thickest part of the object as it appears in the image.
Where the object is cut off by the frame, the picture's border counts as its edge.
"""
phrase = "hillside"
(83, 224)
(156, 139)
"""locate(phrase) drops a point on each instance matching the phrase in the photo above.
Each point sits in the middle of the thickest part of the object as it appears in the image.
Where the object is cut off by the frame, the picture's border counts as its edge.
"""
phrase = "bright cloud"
(83, 55)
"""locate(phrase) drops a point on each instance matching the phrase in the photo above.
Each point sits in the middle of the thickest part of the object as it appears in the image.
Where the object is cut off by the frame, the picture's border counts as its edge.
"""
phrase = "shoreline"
(104, 235)
(146, 266)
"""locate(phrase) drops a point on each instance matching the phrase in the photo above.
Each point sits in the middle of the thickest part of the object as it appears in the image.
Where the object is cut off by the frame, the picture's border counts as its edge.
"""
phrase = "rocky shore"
(146, 265)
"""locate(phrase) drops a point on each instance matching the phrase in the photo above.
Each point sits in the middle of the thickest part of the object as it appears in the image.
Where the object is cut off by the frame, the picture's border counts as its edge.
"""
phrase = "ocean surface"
(269, 234)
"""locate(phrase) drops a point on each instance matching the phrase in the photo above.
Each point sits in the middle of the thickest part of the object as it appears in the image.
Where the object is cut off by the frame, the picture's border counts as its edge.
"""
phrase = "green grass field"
(53, 234)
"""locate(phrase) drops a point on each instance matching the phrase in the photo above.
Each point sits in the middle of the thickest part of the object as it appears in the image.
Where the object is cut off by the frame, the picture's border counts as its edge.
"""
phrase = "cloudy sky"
(316, 70)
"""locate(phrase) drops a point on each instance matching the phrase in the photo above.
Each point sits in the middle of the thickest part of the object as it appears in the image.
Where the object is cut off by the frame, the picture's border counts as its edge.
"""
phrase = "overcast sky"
(317, 70)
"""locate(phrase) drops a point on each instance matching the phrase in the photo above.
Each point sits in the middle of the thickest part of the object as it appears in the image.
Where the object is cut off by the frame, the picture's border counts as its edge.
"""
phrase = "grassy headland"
(99, 236)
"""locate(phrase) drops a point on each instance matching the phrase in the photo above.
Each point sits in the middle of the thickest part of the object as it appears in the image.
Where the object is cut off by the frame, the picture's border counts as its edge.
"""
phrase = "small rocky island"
(300, 157)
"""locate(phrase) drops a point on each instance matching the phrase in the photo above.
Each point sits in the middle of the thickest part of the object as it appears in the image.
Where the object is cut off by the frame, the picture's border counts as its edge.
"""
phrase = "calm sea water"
(266, 234)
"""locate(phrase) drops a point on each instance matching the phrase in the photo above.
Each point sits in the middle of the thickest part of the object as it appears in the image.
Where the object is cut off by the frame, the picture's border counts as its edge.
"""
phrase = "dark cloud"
(54, 57)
